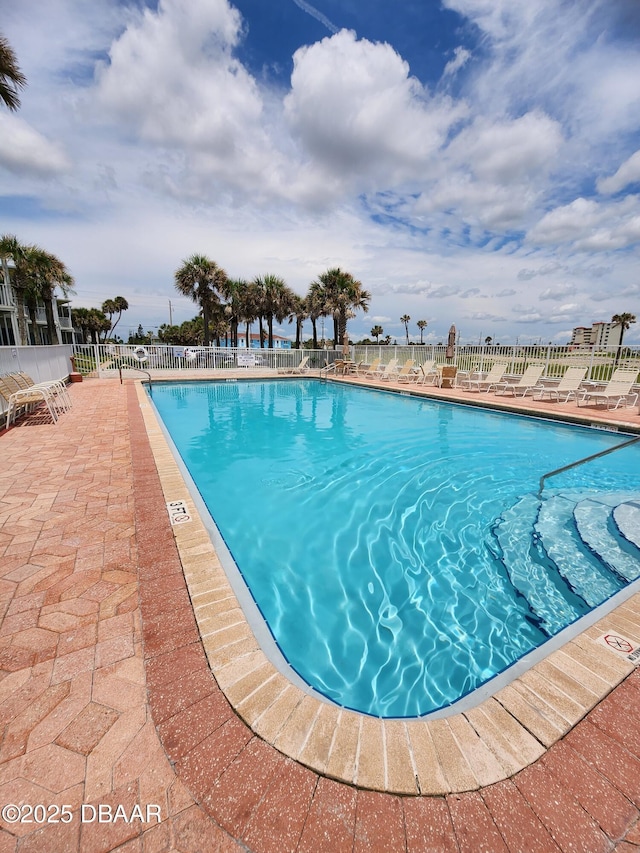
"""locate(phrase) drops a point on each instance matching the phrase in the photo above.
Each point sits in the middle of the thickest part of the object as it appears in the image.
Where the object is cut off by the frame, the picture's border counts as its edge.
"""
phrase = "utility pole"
(170, 314)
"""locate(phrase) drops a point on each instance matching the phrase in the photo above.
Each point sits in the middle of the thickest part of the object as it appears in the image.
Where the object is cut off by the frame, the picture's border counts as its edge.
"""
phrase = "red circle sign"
(618, 643)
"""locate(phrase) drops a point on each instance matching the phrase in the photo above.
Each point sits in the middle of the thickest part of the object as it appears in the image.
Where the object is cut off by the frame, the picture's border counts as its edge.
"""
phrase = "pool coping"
(468, 750)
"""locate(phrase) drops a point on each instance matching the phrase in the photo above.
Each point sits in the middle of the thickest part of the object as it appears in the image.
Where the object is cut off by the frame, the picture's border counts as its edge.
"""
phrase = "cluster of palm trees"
(35, 276)
(377, 331)
(227, 303)
(97, 324)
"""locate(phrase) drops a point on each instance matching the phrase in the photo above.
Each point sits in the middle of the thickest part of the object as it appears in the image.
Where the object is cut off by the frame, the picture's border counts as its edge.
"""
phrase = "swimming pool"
(387, 540)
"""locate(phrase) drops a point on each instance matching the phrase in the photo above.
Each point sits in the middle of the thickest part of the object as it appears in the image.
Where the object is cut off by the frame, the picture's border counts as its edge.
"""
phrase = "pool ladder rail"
(578, 462)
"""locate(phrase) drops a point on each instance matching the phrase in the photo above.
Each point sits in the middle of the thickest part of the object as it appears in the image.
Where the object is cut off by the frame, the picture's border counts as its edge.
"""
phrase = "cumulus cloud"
(558, 292)
(172, 79)
(25, 151)
(628, 173)
(358, 113)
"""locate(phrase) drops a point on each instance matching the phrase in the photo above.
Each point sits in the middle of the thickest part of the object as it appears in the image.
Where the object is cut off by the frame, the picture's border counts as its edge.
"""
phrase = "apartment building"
(9, 331)
(599, 334)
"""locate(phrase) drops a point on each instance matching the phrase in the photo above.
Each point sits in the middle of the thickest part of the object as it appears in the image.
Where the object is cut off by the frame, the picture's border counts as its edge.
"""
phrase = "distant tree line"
(228, 304)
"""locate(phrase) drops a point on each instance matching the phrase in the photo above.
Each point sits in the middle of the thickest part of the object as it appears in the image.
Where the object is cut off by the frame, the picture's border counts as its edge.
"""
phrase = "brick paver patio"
(106, 697)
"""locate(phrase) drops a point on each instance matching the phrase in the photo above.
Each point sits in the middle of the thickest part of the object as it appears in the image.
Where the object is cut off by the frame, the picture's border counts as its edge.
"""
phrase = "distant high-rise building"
(599, 334)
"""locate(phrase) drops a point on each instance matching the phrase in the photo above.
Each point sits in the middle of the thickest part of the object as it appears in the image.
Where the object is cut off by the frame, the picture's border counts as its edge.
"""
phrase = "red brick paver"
(106, 698)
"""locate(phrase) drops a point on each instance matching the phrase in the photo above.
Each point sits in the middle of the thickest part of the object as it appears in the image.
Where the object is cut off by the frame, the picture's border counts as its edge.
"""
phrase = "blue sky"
(474, 162)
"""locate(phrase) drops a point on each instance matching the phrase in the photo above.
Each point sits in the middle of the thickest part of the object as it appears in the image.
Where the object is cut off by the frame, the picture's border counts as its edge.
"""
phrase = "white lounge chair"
(397, 374)
(301, 368)
(495, 374)
(56, 387)
(385, 369)
(527, 382)
(428, 372)
(618, 388)
(25, 399)
(568, 387)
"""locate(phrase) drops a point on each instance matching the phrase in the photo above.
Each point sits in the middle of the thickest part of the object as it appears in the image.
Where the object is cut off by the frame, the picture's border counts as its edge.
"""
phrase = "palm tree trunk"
(22, 320)
(205, 321)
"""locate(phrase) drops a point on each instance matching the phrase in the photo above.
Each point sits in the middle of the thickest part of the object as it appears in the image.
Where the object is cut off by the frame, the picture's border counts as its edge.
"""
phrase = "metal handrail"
(141, 369)
(582, 461)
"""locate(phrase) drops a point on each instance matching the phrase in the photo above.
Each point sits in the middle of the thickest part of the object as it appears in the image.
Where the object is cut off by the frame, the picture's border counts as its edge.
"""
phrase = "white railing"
(6, 296)
(108, 359)
(556, 359)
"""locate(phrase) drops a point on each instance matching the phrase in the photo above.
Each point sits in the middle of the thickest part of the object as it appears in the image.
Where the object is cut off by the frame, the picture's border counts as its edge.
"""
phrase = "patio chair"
(448, 375)
(301, 368)
(24, 399)
(527, 382)
(371, 369)
(386, 369)
(495, 374)
(569, 385)
(396, 373)
(618, 388)
(57, 387)
(428, 372)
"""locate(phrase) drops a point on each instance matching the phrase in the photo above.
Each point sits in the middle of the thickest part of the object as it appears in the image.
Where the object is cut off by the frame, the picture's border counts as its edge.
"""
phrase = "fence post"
(96, 355)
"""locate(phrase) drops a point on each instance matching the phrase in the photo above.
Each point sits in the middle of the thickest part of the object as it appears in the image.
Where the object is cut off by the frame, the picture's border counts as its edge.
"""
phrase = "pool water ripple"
(365, 527)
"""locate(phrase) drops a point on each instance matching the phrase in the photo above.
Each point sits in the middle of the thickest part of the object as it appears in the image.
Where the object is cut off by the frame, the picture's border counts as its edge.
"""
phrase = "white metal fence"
(107, 359)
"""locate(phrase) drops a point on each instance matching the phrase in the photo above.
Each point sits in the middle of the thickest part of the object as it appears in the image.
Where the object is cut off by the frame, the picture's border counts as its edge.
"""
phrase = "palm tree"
(341, 293)
(405, 319)
(624, 321)
(49, 272)
(114, 306)
(232, 292)
(299, 313)
(11, 78)
(249, 308)
(275, 302)
(375, 332)
(422, 325)
(12, 249)
(201, 280)
(315, 307)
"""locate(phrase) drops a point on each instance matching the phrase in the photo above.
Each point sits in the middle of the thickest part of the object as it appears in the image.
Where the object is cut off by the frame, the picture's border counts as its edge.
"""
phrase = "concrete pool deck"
(107, 697)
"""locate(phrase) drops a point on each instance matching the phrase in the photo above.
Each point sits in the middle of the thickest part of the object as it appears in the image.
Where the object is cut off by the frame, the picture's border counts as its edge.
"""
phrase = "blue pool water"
(375, 531)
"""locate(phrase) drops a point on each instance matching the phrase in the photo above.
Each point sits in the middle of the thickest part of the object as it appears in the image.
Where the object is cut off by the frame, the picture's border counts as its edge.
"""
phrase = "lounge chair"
(568, 387)
(57, 387)
(24, 399)
(301, 368)
(527, 382)
(371, 369)
(384, 369)
(396, 374)
(618, 388)
(493, 377)
(428, 372)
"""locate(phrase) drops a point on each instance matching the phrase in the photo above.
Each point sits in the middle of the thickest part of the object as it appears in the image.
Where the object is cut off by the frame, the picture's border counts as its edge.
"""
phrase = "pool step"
(569, 552)
(595, 522)
(552, 602)
(587, 575)
(626, 517)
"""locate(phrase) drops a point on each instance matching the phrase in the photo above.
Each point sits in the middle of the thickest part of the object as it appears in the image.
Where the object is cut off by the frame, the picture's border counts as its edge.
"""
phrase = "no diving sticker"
(178, 512)
(621, 646)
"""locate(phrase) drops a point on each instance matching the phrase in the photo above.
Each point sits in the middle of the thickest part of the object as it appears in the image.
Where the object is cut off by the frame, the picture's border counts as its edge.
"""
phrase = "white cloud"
(359, 115)
(25, 151)
(557, 292)
(628, 173)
